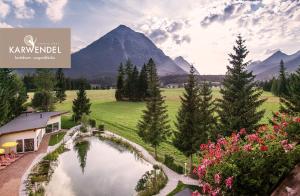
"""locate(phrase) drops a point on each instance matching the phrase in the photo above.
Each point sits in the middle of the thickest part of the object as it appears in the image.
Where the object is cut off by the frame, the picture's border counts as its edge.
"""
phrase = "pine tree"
(81, 105)
(143, 83)
(274, 88)
(238, 107)
(188, 122)
(290, 103)
(135, 85)
(128, 79)
(12, 95)
(154, 126)
(282, 81)
(206, 117)
(60, 85)
(120, 84)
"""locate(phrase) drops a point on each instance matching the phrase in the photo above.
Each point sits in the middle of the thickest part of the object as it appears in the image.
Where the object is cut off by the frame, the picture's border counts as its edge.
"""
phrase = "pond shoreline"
(173, 177)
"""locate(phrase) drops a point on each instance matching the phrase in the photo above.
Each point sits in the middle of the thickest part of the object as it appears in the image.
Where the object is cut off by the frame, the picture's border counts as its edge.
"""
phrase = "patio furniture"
(9, 145)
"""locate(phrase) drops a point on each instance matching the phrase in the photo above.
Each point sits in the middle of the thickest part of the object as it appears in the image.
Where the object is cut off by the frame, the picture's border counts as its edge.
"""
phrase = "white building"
(28, 130)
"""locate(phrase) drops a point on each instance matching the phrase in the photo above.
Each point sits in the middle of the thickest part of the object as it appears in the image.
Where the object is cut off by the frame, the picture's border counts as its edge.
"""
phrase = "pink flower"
(248, 147)
(206, 188)
(284, 124)
(252, 137)
(196, 193)
(284, 142)
(229, 182)
(201, 171)
(243, 131)
(203, 147)
(215, 192)
(217, 178)
(263, 148)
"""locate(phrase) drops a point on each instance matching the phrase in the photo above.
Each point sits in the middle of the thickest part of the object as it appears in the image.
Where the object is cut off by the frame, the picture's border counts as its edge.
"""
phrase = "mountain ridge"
(103, 56)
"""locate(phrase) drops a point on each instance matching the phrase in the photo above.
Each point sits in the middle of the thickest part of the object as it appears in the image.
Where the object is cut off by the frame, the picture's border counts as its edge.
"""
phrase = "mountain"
(183, 64)
(103, 56)
(268, 68)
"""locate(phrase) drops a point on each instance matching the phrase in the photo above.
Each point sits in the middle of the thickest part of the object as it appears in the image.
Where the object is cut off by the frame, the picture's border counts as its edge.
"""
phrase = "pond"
(96, 167)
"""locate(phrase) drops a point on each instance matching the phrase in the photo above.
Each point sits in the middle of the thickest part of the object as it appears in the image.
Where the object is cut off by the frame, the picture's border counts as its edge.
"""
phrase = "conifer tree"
(290, 103)
(60, 86)
(188, 124)
(238, 107)
(81, 105)
(154, 126)
(274, 88)
(143, 83)
(120, 84)
(282, 81)
(135, 85)
(206, 117)
(128, 79)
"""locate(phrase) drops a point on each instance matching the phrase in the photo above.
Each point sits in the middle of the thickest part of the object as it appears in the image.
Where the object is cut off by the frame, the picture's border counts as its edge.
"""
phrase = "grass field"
(122, 117)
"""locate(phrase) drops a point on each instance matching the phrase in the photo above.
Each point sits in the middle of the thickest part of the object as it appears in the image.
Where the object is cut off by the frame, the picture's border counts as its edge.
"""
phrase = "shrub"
(92, 123)
(83, 129)
(169, 162)
(247, 164)
(101, 127)
(151, 182)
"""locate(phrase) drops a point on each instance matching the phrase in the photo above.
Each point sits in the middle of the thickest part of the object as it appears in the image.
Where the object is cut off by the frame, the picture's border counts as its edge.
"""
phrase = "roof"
(28, 121)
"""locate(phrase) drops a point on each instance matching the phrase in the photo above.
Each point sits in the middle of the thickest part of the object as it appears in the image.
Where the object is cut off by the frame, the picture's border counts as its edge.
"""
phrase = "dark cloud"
(181, 39)
(158, 35)
(175, 26)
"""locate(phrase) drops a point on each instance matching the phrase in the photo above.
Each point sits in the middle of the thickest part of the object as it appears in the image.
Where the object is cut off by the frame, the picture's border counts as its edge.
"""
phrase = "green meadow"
(122, 117)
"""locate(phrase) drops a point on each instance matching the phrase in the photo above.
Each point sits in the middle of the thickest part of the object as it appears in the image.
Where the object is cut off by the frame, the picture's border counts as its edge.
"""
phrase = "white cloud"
(5, 25)
(22, 11)
(55, 8)
(4, 9)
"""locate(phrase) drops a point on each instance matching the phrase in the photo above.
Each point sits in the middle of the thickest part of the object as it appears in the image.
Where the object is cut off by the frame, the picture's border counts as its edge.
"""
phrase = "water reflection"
(94, 167)
(82, 147)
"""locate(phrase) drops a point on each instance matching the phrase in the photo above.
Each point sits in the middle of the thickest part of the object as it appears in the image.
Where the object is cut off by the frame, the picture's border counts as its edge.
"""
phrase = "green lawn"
(56, 138)
(122, 117)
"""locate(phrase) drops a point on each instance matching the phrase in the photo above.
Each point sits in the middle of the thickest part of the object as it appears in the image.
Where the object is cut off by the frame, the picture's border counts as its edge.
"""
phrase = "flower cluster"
(214, 153)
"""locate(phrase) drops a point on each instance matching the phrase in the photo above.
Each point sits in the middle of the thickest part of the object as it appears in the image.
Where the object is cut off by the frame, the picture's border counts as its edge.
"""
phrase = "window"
(55, 126)
(28, 145)
(49, 128)
(20, 146)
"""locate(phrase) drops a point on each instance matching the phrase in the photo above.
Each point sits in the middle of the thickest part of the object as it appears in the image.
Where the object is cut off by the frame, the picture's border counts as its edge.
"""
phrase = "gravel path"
(173, 177)
(10, 177)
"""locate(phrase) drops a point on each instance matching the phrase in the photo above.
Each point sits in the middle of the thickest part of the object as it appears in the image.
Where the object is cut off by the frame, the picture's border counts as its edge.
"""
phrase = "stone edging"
(67, 138)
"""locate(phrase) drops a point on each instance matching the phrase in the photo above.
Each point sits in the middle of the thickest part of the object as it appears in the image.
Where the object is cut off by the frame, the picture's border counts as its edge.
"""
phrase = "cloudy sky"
(202, 31)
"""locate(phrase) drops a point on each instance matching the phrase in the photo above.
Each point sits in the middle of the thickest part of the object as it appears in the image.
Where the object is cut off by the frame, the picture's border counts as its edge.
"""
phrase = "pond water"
(96, 167)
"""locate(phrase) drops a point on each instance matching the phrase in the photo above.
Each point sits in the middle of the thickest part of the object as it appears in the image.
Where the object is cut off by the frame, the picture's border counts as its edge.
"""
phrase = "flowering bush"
(247, 164)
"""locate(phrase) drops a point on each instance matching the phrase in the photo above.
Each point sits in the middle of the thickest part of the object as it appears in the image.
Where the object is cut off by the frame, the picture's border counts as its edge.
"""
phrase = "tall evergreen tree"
(43, 99)
(206, 117)
(120, 84)
(81, 105)
(238, 107)
(60, 86)
(12, 95)
(282, 81)
(290, 103)
(188, 124)
(135, 85)
(274, 88)
(128, 79)
(143, 83)
(154, 126)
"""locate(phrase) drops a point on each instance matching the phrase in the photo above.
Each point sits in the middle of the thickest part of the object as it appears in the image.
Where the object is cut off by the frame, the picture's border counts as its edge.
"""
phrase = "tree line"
(132, 84)
(70, 83)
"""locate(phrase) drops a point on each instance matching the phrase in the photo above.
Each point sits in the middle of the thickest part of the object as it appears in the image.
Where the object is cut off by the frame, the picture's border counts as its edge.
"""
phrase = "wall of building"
(55, 120)
(13, 137)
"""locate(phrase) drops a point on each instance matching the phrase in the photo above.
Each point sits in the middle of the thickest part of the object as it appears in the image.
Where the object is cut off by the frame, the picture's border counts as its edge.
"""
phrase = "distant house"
(29, 128)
